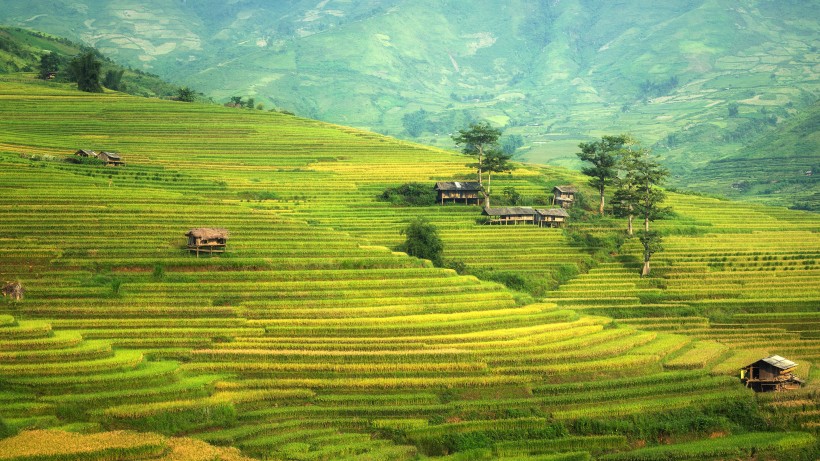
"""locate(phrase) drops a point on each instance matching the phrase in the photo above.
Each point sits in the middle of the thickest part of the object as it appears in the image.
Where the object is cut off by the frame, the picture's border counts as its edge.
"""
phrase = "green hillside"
(311, 340)
(698, 79)
(21, 50)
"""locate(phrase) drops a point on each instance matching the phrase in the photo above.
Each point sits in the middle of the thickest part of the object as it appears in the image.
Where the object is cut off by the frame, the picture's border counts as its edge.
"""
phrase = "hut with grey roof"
(552, 217)
(456, 191)
(207, 240)
(510, 215)
(564, 196)
(110, 158)
(773, 373)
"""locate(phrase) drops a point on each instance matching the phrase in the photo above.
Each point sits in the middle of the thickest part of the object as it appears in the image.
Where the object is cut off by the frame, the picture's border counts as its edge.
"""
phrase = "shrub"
(409, 194)
(423, 241)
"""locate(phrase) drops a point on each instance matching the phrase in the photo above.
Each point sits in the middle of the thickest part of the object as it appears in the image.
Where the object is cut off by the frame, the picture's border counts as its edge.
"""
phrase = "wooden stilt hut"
(773, 373)
(510, 215)
(468, 192)
(207, 240)
(552, 217)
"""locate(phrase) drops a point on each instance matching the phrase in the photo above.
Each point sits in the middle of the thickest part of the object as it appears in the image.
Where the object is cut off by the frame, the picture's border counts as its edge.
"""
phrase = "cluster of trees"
(650, 89)
(480, 140)
(86, 70)
(250, 103)
(620, 162)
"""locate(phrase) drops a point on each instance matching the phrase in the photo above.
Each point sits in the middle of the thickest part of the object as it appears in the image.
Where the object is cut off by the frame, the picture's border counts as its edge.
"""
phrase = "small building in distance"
(468, 192)
(510, 215)
(207, 240)
(110, 158)
(552, 217)
(88, 153)
(564, 196)
(773, 373)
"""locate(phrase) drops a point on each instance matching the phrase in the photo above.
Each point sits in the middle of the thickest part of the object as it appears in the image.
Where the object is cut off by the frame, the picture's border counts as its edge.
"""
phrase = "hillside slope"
(311, 340)
(21, 50)
(555, 73)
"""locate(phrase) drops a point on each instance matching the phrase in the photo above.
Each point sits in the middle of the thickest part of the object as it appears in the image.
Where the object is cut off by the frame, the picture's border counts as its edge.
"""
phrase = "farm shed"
(469, 192)
(86, 153)
(207, 240)
(14, 290)
(773, 373)
(553, 217)
(110, 158)
(564, 196)
(510, 215)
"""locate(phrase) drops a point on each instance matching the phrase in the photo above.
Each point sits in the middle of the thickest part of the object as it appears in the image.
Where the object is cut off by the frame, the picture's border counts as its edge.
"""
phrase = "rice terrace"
(186, 279)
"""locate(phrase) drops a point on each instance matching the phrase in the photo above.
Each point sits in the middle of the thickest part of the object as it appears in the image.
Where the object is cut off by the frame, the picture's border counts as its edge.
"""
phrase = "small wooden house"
(207, 240)
(510, 215)
(564, 196)
(86, 153)
(110, 158)
(467, 192)
(552, 217)
(773, 373)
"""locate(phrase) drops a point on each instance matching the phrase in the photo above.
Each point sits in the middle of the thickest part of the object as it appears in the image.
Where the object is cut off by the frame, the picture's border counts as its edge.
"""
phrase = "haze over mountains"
(698, 80)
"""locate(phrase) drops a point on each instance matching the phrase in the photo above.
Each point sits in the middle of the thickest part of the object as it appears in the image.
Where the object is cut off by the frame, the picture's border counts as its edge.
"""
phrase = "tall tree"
(603, 155)
(475, 140)
(626, 195)
(495, 161)
(85, 69)
(649, 176)
(113, 80)
(49, 65)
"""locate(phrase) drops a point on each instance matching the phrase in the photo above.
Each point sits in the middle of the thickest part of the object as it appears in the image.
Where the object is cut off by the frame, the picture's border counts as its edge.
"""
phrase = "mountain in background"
(698, 80)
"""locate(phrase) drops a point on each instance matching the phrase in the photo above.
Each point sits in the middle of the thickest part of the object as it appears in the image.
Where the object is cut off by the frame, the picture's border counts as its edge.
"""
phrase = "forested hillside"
(699, 80)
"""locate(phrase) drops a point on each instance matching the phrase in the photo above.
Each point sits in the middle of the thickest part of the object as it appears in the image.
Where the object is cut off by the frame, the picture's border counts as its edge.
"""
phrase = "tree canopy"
(603, 155)
(85, 70)
(475, 140)
(49, 65)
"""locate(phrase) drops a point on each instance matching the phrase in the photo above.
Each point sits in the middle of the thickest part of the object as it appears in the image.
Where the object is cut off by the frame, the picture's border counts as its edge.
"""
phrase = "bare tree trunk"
(646, 224)
(601, 208)
(480, 156)
(629, 225)
(489, 187)
(645, 270)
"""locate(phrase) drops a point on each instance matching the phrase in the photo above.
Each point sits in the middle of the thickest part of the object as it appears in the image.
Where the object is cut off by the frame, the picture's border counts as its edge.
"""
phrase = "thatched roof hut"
(110, 158)
(207, 239)
(14, 290)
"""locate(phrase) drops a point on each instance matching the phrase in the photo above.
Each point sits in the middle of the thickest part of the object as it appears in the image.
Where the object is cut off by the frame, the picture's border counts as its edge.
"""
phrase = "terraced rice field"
(311, 340)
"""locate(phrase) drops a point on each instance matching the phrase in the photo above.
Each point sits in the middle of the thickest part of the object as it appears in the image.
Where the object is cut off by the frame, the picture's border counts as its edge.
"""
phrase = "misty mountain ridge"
(697, 80)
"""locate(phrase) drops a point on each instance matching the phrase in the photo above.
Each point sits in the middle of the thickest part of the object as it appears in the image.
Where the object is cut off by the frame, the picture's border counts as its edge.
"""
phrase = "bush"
(423, 241)
(409, 194)
(93, 161)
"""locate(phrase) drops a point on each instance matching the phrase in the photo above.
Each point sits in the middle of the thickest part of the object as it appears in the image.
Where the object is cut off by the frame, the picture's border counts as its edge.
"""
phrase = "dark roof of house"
(553, 212)
(207, 233)
(456, 185)
(566, 189)
(777, 362)
(509, 211)
(87, 152)
(111, 155)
